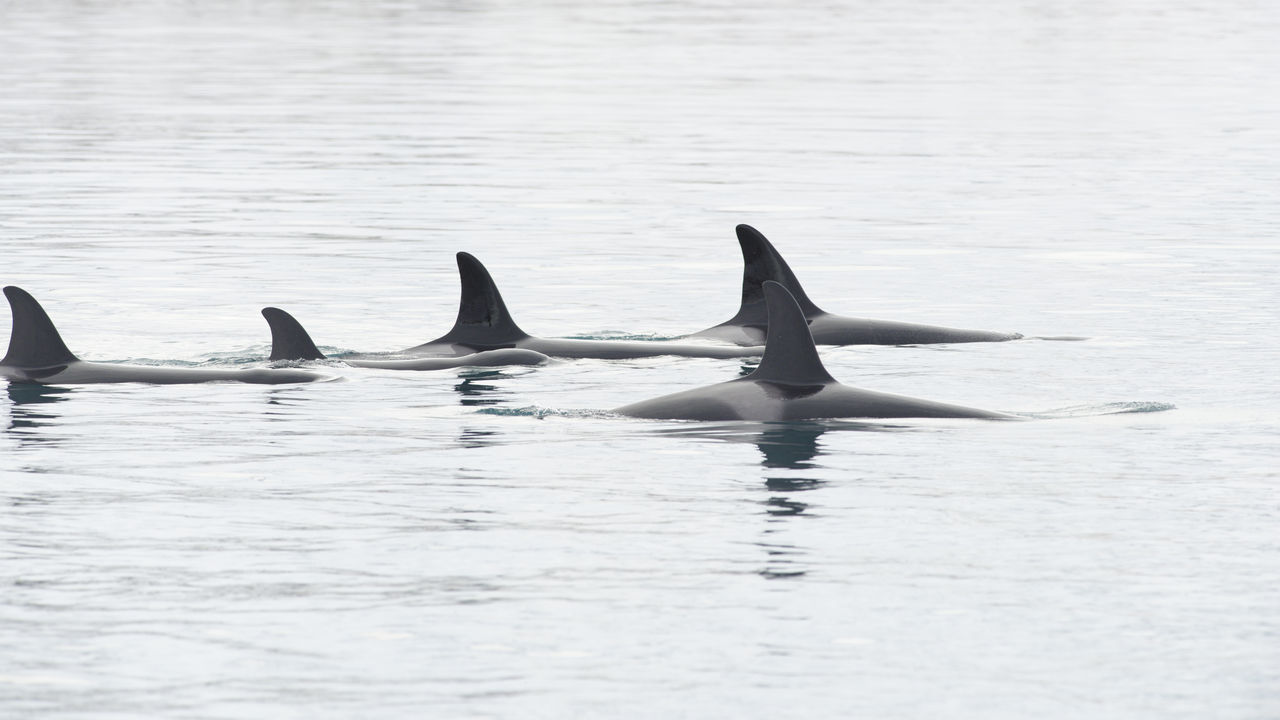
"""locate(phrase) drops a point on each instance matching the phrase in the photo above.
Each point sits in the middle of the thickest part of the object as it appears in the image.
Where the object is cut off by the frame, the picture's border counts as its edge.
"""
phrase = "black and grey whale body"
(791, 384)
(762, 262)
(484, 323)
(290, 341)
(37, 354)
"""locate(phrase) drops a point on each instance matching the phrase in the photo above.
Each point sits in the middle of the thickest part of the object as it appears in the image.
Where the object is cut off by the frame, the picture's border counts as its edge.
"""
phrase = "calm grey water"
(484, 544)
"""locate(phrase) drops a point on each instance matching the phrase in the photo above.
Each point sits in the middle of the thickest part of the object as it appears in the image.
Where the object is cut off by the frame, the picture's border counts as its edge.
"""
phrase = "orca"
(290, 341)
(762, 262)
(37, 354)
(791, 384)
(484, 323)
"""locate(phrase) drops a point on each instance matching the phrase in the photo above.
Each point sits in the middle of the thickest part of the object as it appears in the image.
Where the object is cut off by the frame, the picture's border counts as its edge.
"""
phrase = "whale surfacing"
(791, 384)
(37, 354)
(762, 262)
(290, 341)
(484, 323)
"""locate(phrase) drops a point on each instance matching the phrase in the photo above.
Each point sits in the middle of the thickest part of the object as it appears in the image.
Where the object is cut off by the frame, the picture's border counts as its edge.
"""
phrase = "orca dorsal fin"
(34, 342)
(790, 357)
(483, 320)
(289, 340)
(761, 262)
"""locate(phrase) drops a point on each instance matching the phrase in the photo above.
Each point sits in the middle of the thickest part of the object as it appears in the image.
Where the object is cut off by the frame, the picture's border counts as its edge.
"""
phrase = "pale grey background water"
(481, 545)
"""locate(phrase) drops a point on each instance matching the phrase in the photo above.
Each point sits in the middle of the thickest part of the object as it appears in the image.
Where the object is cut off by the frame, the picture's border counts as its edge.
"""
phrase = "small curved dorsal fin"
(289, 340)
(483, 320)
(761, 262)
(34, 342)
(790, 357)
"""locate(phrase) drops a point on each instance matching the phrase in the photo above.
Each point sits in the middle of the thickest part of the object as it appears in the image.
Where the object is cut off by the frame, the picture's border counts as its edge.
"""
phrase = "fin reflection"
(476, 391)
(33, 409)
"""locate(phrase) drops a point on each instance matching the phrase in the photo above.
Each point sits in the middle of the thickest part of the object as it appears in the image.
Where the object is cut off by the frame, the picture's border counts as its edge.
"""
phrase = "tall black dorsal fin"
(483, 321)
(289, 340)
(34, 341)
(790, 356)
(761, 262)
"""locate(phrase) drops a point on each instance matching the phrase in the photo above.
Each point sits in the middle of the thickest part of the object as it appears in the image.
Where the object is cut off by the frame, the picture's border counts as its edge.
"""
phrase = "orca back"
(762, 262)
(33, 342)
(790, 357)
(289, 340)
(483, 323)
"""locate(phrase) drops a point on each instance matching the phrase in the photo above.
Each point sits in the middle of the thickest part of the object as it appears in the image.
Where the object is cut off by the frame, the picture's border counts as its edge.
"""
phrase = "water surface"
(495, 544)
